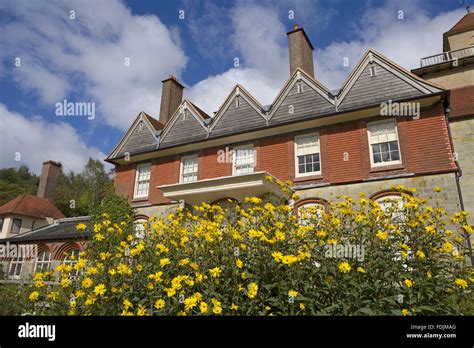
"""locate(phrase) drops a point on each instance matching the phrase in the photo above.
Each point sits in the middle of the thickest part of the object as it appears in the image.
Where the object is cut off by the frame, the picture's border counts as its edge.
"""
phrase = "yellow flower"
(292, 293)
(381, 235)
(405, 312)
(252, 290)
(217, 307)
(99, 237)
(53, 295)
(438, 189)
(159, 304)
(65, 282)
(430, 229)
(447, 247)
(360, 269)
(302, 306)
(234, 307)
(420, 254)
(344, 267)
(215, 272)
(81, 227)
(203, 307)
(79, 293)
(428, 274)
(34, 296)
(127, 304)
(408, 282)
(100, 290)
(164, 262)
(239, 263)
(461, 283)
(190, 303)
(141, 311)
(87, 283)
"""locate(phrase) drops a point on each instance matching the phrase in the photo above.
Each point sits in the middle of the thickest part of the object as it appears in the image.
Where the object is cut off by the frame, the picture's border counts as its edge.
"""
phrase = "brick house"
(38, 231)
(325, 142)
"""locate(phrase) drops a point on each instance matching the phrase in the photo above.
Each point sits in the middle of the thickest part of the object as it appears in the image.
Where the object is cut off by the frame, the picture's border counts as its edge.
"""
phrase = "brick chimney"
(301, 51)
(171, 97)
(49, 180)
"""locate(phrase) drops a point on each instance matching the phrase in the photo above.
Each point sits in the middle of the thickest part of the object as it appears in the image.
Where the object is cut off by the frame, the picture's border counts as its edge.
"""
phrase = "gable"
(235, 120)
(185, 128)
(140, 139)
(305, 104)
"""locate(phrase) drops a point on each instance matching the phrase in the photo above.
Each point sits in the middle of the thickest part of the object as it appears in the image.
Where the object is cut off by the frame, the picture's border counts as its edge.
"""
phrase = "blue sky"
(82, 59)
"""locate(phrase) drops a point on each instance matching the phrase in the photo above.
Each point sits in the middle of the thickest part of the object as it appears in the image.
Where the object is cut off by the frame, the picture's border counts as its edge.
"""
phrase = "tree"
(78, 193)
(17, 181)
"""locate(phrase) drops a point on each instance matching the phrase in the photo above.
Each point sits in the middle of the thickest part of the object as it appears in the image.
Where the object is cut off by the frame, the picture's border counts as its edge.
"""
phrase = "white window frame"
(16, 262)
(235, 150)
(383, 164)
(137, 174)
(13, 224)
(45, 263)
(181, 168)
(295, 140)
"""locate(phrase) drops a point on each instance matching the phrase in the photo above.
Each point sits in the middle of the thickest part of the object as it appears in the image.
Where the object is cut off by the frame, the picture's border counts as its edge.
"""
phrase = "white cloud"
(86, 55)
(403, 41)
(36, 141)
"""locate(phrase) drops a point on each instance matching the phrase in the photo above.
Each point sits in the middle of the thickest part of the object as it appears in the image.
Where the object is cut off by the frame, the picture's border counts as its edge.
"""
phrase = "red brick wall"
(424, 147)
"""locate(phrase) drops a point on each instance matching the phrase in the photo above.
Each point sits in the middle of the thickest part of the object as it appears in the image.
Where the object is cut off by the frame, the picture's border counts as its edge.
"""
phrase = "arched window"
(43, 263)
(307, 209)
(16, 265)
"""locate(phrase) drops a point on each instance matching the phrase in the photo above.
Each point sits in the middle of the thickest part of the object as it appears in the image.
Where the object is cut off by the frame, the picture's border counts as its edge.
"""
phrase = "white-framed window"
(16, 266)
(43, 263)
(189, 168)
(307, 210)
(307, 155)
(244, 159)
(71, 260)
(383, 143)
(142, 180)
(388, 202)
(237, 102)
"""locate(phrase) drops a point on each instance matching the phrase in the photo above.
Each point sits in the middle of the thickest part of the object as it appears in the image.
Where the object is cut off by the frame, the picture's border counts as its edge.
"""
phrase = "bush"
(258, 259)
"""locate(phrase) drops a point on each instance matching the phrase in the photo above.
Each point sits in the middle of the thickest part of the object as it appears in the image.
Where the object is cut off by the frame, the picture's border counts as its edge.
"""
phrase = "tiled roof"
(29, 205)
(61, 229)
(154, 122)
(462, 101)
(466, 22)
(374, 79)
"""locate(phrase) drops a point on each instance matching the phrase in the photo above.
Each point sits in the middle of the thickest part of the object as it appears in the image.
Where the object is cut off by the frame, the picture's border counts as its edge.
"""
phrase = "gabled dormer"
(302, 97)
(377, 79)
(239, 112)
(140, 137)
(186, 125)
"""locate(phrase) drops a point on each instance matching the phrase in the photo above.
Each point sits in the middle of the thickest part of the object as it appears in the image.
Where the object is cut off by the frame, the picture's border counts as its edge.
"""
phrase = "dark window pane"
(301, 168)
(377, 158)
(393, 145)
(375, 148)
(385, 156)
(384, 147)
(16, 225)
(308, 167)
(395, 155)
(316, 167)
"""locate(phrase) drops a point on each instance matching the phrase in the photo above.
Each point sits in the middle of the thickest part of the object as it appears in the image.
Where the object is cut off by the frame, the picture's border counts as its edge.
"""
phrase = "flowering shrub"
(261, 259)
